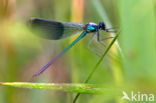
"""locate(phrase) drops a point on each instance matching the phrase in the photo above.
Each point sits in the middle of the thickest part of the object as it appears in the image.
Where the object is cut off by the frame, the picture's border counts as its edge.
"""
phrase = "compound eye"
(102, 25)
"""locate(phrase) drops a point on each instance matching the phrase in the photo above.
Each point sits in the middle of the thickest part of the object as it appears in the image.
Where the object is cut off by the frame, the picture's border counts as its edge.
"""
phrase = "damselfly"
(55, 30)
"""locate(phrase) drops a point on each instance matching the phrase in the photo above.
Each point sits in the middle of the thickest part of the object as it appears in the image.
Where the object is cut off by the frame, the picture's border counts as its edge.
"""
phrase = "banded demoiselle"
(55, 30)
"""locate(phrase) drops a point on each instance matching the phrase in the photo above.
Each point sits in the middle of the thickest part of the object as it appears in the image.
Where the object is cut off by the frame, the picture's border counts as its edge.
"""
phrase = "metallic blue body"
(91, 27)
(60, 54)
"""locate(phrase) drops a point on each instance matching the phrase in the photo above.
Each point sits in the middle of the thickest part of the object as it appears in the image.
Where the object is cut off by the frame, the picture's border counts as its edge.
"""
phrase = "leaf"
(74, 88)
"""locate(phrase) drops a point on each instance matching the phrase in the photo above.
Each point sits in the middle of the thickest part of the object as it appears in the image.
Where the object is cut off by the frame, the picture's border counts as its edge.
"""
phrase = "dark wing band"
(55, 30)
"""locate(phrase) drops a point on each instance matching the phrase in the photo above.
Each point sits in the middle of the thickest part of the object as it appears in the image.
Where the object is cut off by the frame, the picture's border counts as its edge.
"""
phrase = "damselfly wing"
(54, 30)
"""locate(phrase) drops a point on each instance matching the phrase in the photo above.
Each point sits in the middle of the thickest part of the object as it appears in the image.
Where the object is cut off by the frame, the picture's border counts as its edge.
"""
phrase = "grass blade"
(73, 88)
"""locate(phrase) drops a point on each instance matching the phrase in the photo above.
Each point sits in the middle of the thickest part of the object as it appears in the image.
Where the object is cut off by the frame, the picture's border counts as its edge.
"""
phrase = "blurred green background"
(132, 68)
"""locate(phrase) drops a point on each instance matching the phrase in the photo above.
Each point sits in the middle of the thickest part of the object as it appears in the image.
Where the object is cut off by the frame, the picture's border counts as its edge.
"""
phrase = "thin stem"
(96, 66)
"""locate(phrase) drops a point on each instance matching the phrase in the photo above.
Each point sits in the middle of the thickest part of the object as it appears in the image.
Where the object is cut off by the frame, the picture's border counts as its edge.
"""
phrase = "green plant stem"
(96, 66)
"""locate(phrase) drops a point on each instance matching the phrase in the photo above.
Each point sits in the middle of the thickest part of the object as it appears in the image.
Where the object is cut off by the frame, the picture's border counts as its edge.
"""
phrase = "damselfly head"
(102, 26)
